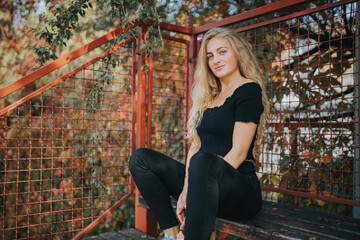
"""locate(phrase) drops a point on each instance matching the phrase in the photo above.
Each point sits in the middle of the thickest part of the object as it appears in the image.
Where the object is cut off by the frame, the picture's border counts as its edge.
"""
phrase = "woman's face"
(221, 58)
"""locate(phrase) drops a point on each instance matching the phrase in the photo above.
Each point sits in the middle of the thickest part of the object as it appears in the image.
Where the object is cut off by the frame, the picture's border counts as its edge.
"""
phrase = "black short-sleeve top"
(217, 125)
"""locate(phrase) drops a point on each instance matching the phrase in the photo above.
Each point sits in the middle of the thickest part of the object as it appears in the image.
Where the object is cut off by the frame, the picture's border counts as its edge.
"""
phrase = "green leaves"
(94, 97)
(62, 21)
(44, 53)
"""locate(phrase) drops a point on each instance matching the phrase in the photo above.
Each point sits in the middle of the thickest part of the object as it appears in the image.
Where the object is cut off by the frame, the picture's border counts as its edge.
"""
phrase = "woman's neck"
(229, 82)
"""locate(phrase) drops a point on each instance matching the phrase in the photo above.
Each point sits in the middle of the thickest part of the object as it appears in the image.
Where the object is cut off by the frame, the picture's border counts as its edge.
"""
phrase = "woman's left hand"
(182, 226)
(180, 209)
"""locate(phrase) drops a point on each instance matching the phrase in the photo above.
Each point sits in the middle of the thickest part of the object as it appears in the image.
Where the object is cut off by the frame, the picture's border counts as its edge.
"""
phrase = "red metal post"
(149, 115)
(145, 221)
(187, 94)
(356, 210)
(133, 107)
(192, 53)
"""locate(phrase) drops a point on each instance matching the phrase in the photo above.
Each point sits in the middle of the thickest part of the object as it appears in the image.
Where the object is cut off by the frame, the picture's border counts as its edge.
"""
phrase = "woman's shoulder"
(249, 88)
(250, 93)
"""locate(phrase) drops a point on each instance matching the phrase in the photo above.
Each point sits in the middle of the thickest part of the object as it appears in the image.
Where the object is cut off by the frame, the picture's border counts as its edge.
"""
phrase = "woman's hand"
(180, 208)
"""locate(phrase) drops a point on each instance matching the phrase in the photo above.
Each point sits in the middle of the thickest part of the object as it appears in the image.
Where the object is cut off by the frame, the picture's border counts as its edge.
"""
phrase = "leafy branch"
(58, 29)
(60, 22)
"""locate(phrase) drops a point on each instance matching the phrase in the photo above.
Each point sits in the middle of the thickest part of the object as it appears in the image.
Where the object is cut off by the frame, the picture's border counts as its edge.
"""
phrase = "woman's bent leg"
(157, 176)
(202, 199)
(216, 187)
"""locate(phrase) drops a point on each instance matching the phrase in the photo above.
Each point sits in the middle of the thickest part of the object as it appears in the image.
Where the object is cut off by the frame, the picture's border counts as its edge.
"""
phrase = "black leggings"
(215, 189)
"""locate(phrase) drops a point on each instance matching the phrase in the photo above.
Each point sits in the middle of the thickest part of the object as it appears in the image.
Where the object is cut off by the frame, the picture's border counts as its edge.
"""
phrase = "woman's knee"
(138, 158)
(200, 162)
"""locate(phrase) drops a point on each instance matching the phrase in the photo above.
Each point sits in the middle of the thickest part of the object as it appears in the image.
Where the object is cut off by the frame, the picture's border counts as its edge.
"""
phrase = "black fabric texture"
(217, 125)
(216, 189)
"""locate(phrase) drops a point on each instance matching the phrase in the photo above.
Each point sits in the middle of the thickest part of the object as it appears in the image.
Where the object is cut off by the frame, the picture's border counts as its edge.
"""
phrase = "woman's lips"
(219, 67)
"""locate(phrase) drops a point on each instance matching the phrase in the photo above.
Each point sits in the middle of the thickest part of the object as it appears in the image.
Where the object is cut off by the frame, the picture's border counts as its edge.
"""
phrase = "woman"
(225, 124)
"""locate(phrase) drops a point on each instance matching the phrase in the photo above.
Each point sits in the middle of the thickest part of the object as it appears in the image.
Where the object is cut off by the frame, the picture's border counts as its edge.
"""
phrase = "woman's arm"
(181, 203)
(193, 149)
(242, 138)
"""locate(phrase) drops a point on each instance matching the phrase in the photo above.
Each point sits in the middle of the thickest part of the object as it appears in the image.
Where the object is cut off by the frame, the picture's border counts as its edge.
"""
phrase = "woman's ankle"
(173, 231)
(179, 236)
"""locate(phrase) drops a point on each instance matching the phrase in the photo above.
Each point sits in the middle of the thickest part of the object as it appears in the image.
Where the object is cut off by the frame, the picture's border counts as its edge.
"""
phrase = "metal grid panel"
(168, 109)
(64, 153)
(309, 67)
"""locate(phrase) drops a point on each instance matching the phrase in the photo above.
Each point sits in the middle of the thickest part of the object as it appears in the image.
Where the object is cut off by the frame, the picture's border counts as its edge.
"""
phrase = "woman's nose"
(216, 59)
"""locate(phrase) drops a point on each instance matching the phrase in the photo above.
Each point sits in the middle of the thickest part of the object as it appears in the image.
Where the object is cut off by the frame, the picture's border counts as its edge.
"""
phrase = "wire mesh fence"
(168, 105)
(64, 152)
(309, 63)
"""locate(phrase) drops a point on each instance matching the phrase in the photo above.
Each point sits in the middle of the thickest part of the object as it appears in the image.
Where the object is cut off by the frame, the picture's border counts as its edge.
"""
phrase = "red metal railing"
(5, 91)
(309, 64)
(309, 59)
(64, 148)
(168, 85)
(162, 118)
(66, 144)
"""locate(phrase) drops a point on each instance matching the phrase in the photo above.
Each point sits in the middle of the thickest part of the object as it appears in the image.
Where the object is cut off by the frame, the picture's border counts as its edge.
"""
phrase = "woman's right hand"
(180, 208)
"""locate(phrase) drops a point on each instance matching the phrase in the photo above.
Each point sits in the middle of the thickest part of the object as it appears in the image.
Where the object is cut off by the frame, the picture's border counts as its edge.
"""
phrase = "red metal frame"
(264, 11)
(176, 28)
(57, 81)
(149, 105)
(133, 123)
(258, 12)
(145, 221)
(7, 112)
(187, 90)
(358, 82)
(150, 128)
(295, 15)
(193, 49)
(103, 216)
(22, 82)
(133, 147)
(313, 196)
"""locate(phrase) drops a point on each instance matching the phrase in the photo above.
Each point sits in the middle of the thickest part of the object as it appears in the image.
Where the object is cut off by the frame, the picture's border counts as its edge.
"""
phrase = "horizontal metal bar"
(313, 196)
(57, 81)
(22, 82)
(103, 215)
(176, 28)
(295, 15)
(175, 39)
(273, 7)
(349, 125)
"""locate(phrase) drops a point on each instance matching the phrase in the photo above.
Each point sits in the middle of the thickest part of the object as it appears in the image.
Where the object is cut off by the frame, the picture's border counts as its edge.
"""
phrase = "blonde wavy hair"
(207, 86)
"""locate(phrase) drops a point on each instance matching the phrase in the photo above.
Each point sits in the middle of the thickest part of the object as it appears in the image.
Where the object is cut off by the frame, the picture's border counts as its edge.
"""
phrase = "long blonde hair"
(207, 85)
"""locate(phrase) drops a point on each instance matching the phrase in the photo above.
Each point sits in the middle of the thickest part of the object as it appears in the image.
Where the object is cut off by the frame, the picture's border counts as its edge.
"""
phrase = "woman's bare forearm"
(193, 149)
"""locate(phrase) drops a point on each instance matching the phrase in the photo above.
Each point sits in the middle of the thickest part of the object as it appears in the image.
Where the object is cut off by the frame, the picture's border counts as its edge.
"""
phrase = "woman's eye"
(222, 52)
(208, 57)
